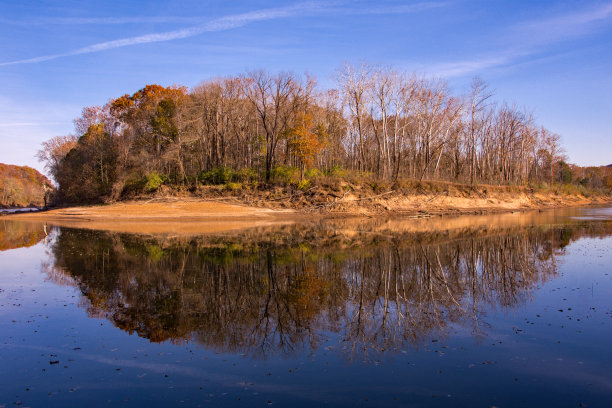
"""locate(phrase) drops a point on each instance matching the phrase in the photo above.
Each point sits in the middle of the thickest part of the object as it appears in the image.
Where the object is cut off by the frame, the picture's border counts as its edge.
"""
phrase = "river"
(506, 310)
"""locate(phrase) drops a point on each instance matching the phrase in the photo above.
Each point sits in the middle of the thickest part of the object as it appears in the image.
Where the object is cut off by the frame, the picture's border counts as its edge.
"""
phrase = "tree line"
(252, 127)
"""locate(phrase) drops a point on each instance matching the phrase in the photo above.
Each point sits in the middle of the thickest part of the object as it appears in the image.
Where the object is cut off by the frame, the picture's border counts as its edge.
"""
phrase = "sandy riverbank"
(388, 203)
(188, 215)
(230, 209)
(160, 215)
(155, 210)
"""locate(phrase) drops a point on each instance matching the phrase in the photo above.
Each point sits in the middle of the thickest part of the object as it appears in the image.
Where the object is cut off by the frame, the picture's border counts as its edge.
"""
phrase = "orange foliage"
(147, 98)
(307, 293)
(305, 139)
(608, 182)
(21, 186)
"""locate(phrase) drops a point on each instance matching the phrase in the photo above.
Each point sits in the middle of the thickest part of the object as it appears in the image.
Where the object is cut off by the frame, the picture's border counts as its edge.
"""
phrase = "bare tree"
(54, 150)
(479, 95)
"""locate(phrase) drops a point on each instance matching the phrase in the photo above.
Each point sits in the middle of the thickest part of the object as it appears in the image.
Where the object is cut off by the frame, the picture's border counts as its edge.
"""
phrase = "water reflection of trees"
(278, 295)
(18, 234)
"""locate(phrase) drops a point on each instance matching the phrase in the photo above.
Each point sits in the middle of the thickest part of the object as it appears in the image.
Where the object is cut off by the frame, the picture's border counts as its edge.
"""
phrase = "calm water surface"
(15, 210)
(506, 311)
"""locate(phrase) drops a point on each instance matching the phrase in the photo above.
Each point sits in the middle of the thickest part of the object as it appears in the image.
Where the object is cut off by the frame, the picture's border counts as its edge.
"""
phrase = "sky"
(553, 58)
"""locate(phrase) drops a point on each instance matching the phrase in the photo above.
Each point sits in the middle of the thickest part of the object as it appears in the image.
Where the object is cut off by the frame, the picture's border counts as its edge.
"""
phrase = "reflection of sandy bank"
(158, 227)
(460, 222)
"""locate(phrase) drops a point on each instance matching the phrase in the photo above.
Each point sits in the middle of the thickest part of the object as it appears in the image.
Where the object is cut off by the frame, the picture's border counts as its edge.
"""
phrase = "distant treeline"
(260, 128)
(22, 186)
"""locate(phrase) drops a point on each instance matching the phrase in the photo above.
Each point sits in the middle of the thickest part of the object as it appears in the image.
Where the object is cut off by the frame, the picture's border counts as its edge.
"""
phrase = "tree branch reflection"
(286, 290)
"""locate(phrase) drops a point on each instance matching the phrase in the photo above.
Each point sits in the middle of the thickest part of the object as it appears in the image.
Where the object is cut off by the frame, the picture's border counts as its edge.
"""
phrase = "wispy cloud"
(330, 6)
(403, 9)
(20, 124)
(467, 67)
(104, 20)
(529, 40)
(220, 24)
(568, 25)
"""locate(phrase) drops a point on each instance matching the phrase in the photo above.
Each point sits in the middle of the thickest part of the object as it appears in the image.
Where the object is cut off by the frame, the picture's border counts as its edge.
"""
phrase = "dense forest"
(258, 128)
(22, 186)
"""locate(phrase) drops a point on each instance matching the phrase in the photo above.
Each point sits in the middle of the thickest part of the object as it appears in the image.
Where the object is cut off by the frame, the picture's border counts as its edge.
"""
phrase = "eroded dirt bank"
(416, 200)
(444, 203)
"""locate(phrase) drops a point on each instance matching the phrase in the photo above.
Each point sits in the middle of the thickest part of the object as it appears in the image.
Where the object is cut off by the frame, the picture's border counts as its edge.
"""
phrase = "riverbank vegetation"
(378, 127)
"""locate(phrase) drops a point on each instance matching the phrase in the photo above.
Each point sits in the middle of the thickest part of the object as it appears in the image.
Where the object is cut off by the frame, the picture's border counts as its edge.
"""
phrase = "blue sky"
(552, 57)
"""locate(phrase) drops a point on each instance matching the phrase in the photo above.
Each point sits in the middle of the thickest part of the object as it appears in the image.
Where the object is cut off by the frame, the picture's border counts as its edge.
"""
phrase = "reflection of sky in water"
(550, 348)
(12, 210)
(593, 213)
